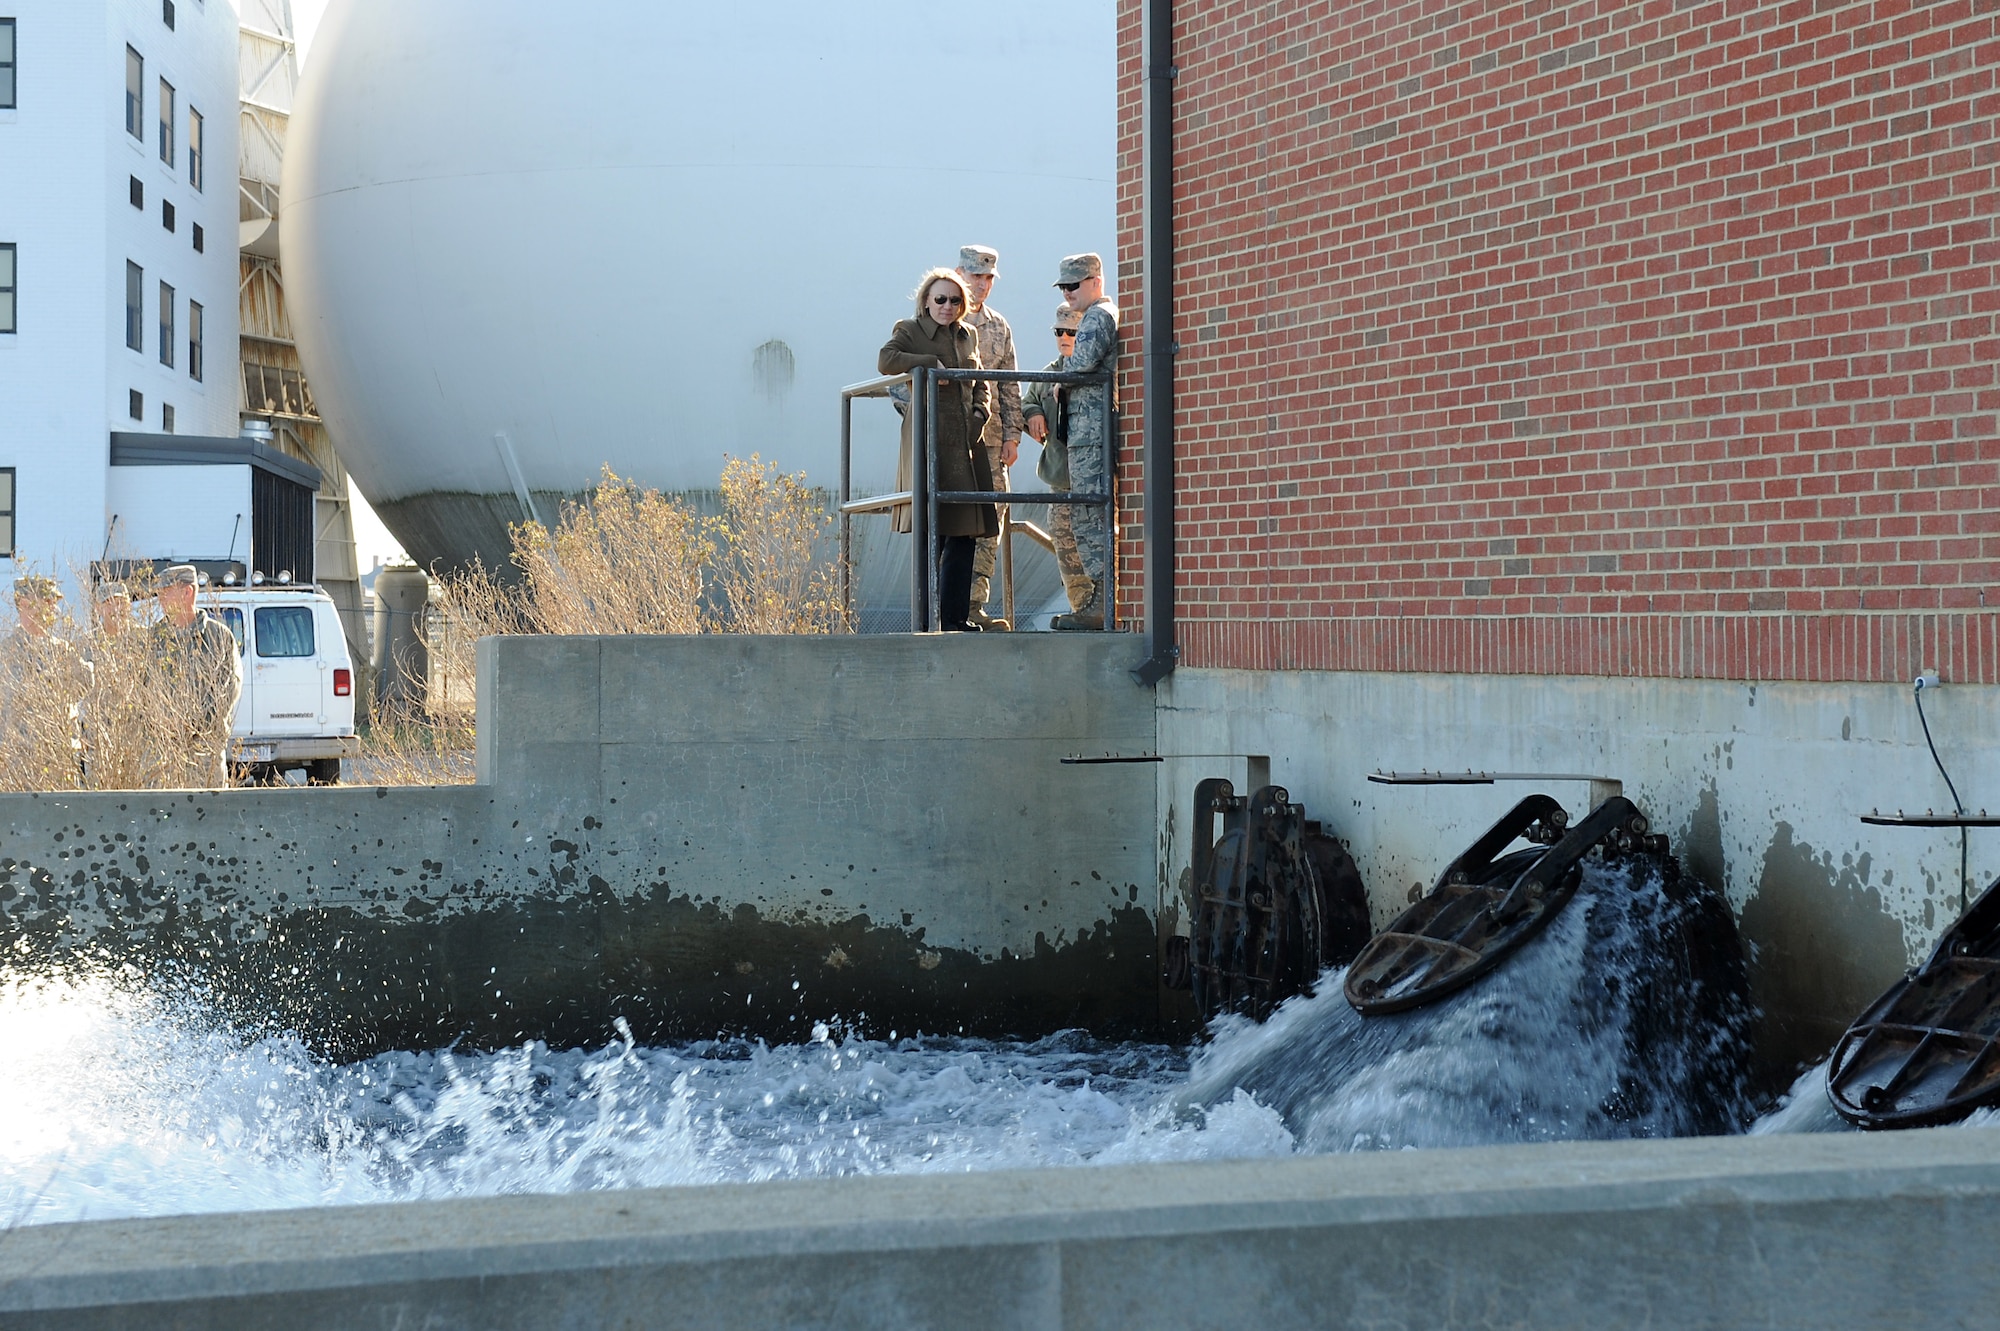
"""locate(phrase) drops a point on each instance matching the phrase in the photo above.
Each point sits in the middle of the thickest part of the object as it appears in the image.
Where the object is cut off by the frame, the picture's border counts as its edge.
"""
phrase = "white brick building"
(118, 255)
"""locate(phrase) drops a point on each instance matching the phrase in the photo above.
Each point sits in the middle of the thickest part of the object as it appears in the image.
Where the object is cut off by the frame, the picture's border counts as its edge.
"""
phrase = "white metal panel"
(291, 690)
(337, 714)
(65, 170)
(577, 228)
(179, 512)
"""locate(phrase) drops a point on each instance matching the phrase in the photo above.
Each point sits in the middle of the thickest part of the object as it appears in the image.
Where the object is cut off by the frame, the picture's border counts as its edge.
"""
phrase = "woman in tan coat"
(937, 339)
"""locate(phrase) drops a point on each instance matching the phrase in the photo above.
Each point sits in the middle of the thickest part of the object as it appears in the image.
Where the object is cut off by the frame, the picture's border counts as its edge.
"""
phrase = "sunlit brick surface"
(1605, 338)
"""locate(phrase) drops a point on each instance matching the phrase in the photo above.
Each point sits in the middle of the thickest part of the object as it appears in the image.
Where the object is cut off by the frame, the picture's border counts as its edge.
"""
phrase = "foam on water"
(120, 1101)
(1806, 1108)
(123, 1098)
(1596, 1028)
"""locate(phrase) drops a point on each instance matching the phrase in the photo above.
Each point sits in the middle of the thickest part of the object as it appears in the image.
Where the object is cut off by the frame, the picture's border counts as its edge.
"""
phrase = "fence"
(924, 500)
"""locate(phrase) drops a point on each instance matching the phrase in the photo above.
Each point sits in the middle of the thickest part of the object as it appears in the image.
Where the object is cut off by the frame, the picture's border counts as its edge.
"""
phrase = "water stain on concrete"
(1701, 842)
(563, 967)
(1825, 948)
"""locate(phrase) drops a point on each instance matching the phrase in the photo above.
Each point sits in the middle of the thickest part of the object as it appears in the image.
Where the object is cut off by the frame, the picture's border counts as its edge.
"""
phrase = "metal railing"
(924, 500)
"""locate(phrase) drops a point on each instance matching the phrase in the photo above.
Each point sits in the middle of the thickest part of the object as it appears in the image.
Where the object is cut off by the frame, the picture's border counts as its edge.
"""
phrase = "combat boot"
(1089, 617)
(982, 592)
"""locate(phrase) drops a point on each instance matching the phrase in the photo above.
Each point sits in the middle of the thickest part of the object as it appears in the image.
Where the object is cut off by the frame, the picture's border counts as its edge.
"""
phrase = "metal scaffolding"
(274, 383)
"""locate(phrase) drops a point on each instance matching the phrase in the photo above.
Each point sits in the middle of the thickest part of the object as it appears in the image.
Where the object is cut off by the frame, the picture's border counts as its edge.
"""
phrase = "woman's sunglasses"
(947, 300)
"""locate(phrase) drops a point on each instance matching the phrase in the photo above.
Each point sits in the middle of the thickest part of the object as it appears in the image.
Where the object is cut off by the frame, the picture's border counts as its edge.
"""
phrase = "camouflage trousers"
(1076, 583)
(1082, 532)
(986, 550)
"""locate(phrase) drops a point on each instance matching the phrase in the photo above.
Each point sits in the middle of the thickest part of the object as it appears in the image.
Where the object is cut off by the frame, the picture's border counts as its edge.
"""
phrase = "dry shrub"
(433, 747)
(627, 560)
(769, 575)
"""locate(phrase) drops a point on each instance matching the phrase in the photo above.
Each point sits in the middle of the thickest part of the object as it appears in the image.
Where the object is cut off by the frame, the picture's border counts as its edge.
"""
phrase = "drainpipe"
(1156, 54)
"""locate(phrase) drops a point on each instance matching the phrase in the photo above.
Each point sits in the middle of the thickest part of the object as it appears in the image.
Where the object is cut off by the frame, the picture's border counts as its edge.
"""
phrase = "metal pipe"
(933, 544)
(1110, 437)
(846, 518)
(920, 513)
(1007, 564)
(1157, 286)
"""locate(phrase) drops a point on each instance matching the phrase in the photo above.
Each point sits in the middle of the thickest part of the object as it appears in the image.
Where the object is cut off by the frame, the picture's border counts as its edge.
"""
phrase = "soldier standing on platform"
(1089, 411)
(1045, 419)
(979, 266)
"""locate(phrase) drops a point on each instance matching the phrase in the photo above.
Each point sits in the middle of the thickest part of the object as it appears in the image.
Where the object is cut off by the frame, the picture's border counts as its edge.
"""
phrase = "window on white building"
(7, 258)
(6, 64)
(135, 94)
(135, 306)
(166, 214)
(135, 404)
(194, 340)
(168, 338)
(6, 512)
(167, 12)
(167, 122)
(167, 418)
(194, 149)
(136, 192)
(199, 239)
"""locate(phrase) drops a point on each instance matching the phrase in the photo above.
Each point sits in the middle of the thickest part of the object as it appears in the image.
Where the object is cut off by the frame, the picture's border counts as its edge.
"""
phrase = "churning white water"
(120, 1100)
(1598, 1028)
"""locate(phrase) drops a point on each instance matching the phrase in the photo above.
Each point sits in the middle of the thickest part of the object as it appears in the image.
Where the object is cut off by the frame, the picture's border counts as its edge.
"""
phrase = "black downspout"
(1156, 56)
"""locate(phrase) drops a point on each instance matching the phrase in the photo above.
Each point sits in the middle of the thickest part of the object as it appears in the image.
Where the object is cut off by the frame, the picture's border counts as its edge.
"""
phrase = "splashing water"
(120, 1101)
(1607, 1024)
(1806, 1108)
(124, 1100)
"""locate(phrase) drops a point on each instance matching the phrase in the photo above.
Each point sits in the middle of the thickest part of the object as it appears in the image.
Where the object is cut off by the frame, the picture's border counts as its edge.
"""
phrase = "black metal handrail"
(925, 501)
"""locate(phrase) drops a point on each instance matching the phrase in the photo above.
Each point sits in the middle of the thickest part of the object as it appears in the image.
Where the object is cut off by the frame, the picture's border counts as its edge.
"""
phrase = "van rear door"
(284, 661)
(245, 717)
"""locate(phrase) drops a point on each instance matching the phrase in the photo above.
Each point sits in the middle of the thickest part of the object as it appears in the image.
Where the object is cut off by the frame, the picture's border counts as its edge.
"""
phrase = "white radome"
(655, 234)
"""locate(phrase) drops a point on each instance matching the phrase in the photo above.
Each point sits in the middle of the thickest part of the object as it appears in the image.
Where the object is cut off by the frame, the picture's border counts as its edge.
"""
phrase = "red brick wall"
(1609, 337)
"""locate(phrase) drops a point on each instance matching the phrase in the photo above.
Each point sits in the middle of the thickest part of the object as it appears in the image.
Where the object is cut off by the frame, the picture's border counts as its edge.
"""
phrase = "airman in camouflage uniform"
(1081, 279)
(42, 683)
(979, 265)
(200, 662)
(1045, 419)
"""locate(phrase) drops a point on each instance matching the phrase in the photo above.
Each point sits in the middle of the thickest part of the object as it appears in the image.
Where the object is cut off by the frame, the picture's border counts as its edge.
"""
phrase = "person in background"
(1042, 409)
(1091, 431)
(199, 663)
(111, 609)
(43, 680)
(939, 338)
(979, 265)
(113, 711)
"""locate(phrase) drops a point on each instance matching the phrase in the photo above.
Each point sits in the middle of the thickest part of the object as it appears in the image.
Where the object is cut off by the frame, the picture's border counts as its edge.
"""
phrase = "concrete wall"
(696, 834)
(1757, 785)
(1801, 1232)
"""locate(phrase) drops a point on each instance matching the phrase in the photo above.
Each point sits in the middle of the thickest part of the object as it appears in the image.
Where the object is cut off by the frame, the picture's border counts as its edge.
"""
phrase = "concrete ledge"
(1855, 1231)
(697, 834)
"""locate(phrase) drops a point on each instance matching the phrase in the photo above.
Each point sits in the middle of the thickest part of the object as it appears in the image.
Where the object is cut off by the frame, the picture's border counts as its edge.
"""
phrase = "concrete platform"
(1852, 1231)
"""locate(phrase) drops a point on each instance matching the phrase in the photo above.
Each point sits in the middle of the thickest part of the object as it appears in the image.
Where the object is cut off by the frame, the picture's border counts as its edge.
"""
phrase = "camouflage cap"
(111, 591)
(1067, 319)
(36, 587)
(979, 261)
(1078, 268)
(179, 575)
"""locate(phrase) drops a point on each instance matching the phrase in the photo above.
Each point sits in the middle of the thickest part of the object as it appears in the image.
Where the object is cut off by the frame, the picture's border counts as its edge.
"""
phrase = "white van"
(297, 709)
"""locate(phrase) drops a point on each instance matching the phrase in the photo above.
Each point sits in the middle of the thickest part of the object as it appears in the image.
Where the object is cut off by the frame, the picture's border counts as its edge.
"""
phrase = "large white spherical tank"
(535, 239)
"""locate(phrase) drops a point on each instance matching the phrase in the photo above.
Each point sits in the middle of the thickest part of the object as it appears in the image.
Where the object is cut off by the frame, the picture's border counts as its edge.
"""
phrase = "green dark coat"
(963, 410)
